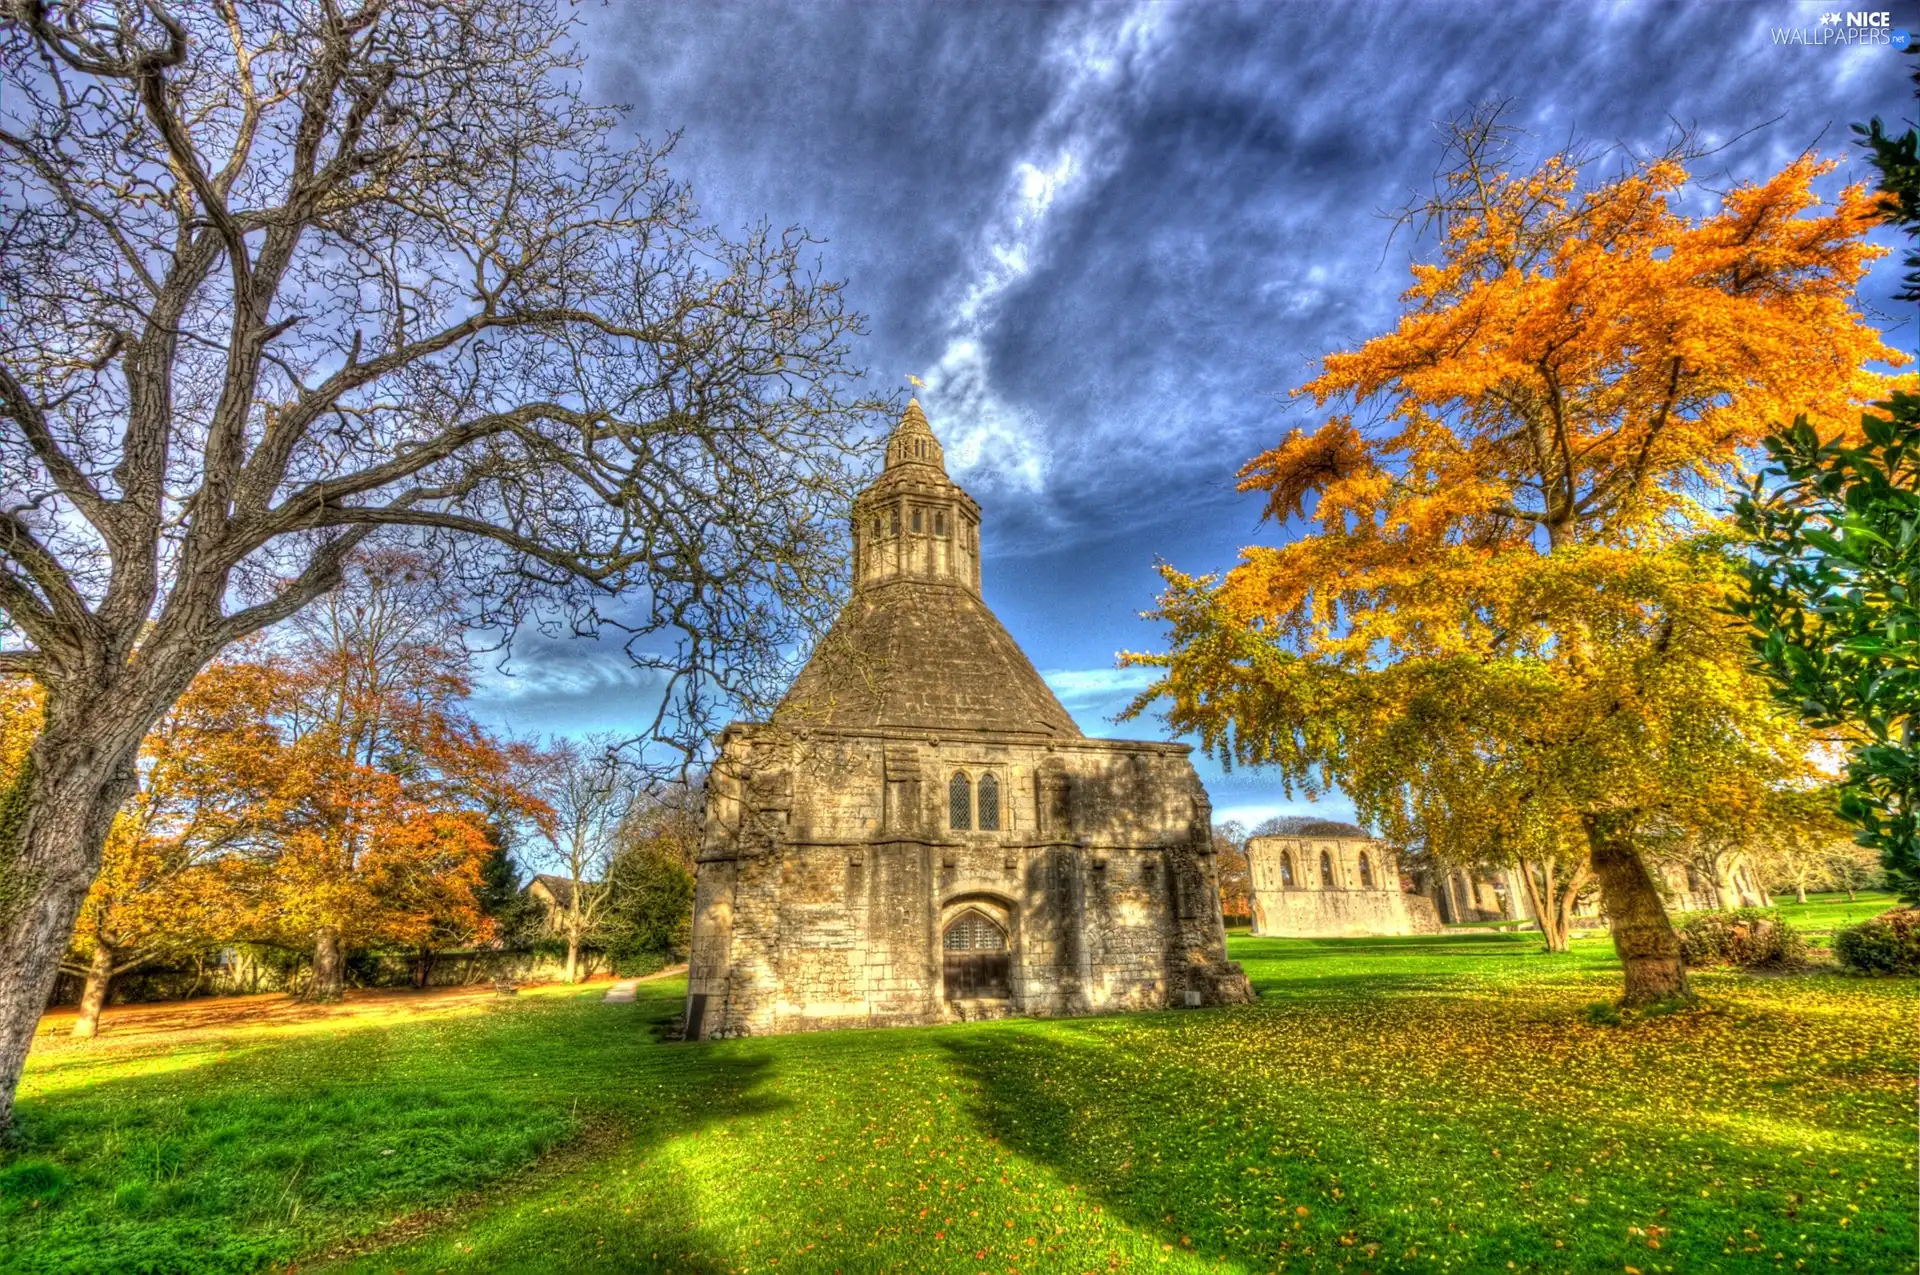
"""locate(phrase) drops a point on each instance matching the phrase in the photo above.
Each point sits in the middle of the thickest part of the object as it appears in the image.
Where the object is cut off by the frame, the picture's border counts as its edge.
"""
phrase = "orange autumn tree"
(388, 787)
(211, 780)
(1510, 524)
(21, 718)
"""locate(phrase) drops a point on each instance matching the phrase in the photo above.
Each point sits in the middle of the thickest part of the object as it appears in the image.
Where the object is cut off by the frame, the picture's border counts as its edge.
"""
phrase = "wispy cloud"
(1101, 58)
(1095, 695)
(562, 670)
(1096, 683)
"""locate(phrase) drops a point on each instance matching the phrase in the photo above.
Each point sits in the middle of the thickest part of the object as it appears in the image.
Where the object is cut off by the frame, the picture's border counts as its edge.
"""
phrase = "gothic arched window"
(971, 931)
(1326, 871)
(989, 804)
(916, 522)
(893, 524)
(1286, 870)
(939, 524)
(1366, 872)
(959, 801)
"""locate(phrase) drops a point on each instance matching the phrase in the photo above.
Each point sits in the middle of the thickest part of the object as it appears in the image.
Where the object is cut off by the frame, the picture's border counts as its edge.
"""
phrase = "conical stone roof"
(915, 649)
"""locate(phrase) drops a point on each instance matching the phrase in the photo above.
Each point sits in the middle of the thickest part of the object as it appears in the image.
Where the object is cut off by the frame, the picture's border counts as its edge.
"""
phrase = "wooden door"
(977, 963)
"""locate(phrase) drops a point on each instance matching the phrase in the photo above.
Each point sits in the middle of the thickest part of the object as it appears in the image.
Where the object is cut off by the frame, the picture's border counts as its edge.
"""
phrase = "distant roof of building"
(561, 888)
(1310, 826)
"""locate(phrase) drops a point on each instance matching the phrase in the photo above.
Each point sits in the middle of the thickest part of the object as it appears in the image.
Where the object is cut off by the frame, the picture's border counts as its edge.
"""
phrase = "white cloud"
(980, 431)
(1096, 695)
(1098, 683)
(562, 671)
(1101, 56)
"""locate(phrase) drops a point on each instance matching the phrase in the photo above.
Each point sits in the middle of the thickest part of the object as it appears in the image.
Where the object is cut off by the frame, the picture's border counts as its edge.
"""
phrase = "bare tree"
(590, 790)
(1853, 867)
(283, 278)
(1231, 866)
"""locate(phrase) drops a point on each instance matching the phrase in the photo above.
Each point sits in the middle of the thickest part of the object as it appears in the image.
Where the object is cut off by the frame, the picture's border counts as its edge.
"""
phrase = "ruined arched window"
(1366, 872)
(1286, 870)
(1326, 871)
(959, 801)
(989, 804)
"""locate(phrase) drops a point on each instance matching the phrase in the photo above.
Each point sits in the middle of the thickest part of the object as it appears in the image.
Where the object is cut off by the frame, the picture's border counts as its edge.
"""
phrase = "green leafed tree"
(1832, 600)
(649, 912)
(1836, 569)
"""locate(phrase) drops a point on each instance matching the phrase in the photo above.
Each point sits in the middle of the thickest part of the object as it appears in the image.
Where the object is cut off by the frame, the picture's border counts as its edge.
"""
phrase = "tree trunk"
(1799, 891)
(1568, 897)
(573, 958)
(1643, 937)
(329, 966)
(53, 826)
(1850, 897)
(1546, 912)
(94, 998)
(1552, 900)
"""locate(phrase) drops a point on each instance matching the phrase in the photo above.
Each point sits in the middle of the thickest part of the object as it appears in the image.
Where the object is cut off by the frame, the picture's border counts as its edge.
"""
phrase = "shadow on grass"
(1377, 1137)
(1154, 1145)
(583, 1216)
(303, 1142)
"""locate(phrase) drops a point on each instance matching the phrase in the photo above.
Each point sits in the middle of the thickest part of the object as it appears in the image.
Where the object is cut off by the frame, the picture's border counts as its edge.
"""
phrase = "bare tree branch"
(287, 282)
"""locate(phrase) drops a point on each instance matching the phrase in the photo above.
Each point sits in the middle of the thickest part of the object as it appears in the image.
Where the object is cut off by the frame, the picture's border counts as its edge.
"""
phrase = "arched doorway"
(975, 957)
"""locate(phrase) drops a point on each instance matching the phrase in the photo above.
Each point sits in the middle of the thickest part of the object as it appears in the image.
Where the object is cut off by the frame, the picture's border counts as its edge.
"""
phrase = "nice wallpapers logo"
(1846, 30)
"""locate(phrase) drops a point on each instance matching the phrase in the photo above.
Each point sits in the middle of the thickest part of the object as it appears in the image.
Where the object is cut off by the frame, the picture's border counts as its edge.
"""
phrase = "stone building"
(1495, 892)
(1327, 879)
(922, 834)
(1484, 892)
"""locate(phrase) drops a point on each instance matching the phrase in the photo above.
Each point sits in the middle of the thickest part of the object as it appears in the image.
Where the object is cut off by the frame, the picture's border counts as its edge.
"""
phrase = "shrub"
(627, 964)
(1750, 938)
(1603, 1014)
(1888, 944)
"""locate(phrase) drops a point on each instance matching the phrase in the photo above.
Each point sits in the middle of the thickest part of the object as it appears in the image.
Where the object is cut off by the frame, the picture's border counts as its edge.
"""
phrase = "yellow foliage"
(1508, 605)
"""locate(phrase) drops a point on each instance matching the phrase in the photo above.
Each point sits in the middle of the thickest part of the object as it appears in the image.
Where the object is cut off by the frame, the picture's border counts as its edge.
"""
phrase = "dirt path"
(216, 1015)
(623, 992)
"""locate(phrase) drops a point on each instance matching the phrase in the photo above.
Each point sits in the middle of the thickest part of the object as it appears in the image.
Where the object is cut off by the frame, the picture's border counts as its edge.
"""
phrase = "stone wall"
(1331, 914)
(1328, 887)
(831, 871)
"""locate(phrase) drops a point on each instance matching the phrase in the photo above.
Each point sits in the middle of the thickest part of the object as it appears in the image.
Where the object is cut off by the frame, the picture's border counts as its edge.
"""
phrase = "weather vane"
(916, 382)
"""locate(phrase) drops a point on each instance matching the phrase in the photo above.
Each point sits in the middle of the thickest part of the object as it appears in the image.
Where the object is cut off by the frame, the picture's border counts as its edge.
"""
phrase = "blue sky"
(1112, 237)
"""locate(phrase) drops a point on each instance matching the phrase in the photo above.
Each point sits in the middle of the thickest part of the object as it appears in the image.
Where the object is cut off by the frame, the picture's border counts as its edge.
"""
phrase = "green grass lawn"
(1435, 1104)
(1822, 914)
